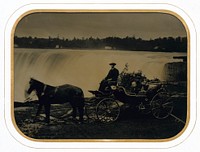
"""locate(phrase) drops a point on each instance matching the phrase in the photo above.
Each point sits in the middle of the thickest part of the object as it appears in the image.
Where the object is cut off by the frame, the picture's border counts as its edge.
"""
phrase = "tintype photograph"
(87, 76)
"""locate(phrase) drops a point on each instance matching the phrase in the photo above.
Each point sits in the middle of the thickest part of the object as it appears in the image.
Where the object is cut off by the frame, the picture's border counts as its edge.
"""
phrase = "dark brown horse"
(48, 95)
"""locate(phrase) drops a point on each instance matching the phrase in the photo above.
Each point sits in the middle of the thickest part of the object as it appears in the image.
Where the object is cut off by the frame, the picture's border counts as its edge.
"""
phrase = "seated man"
(110, 79)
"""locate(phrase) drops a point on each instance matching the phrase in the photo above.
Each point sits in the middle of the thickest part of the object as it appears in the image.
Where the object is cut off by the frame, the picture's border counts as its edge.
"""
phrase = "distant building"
(58, 47)
(176, 71)
(108, 48)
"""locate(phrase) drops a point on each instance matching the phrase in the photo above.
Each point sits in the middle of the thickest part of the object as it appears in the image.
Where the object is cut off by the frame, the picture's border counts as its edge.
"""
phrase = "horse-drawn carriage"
(106, 106)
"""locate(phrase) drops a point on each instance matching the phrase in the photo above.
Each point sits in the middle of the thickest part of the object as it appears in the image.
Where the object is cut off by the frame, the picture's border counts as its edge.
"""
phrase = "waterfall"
(82, 68)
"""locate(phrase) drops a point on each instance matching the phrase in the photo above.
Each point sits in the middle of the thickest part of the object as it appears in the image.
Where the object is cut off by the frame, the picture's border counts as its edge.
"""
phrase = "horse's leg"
(39, 109)
(47, 112)
(80, 106)
(74, 112)
(81, 112)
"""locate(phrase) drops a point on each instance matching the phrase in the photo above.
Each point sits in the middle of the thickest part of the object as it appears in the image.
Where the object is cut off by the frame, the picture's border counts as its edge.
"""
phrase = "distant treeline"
(166, 44)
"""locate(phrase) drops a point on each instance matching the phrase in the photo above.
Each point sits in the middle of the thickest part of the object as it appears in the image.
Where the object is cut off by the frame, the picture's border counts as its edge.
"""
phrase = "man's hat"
(112, 63)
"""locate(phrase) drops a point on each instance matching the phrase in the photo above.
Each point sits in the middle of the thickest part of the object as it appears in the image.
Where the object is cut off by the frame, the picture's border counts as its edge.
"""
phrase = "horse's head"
(34, 85)
(31, 86)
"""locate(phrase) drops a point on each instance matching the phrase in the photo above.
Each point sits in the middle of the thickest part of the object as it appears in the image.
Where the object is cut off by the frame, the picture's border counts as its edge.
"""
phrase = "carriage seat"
(122, 89)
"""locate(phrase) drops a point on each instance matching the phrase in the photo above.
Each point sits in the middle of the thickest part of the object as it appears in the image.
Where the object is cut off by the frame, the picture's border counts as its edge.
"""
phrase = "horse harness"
(44, 90)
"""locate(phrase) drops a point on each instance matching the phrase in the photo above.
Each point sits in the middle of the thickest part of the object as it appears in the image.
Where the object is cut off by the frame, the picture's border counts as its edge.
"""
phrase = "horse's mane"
(40, 82)
(33, 79)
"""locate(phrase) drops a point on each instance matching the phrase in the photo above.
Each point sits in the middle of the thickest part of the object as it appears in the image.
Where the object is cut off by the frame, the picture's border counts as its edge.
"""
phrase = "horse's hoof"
(78, 122)
(47, 121)
(72, 118)
(82, 122)
(34, 120)
(48, 124)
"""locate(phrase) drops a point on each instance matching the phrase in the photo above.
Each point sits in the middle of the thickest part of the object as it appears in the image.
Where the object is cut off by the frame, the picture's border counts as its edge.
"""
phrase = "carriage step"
(141, 107)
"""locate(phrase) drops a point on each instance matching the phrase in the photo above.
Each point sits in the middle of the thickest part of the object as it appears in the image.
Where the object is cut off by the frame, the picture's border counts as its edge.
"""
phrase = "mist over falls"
(81, 68)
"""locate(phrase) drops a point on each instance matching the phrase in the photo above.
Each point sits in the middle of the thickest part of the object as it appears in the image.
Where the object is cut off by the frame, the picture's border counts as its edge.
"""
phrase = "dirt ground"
(130, 124)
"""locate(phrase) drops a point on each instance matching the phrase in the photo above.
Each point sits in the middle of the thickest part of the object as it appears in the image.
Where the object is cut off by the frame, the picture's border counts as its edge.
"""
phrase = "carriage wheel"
(107, 110)
(162, 105)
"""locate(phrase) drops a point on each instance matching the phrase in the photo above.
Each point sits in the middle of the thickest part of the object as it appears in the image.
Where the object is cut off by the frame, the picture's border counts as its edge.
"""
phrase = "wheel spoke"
(107, 110)
(168, 104)
(161, 102)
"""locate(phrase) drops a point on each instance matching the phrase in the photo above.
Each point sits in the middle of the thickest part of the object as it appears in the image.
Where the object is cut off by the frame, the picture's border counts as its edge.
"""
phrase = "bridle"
(43, 92)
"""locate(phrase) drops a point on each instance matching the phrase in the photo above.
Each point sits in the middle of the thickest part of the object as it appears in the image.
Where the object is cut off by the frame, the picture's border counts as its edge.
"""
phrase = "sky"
(149, 25)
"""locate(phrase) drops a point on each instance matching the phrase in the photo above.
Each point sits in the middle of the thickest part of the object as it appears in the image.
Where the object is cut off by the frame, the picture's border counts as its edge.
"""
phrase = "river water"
(83, 68)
